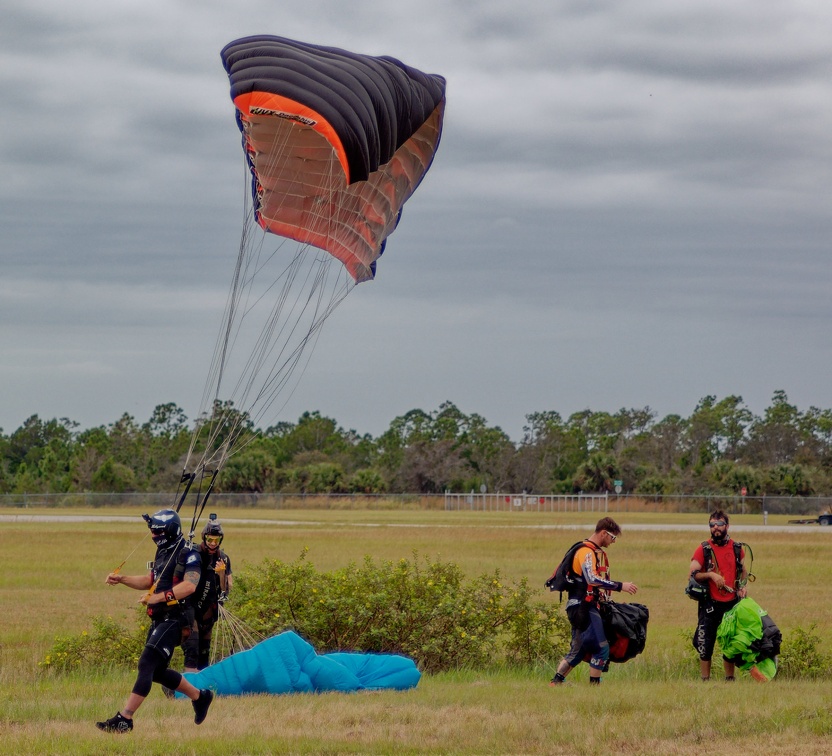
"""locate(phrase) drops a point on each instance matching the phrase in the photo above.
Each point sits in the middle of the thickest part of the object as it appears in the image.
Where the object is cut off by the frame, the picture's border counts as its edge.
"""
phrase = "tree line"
(721, 448)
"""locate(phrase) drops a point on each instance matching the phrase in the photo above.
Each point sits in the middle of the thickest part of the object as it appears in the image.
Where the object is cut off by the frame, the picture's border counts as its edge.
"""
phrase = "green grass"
(53, 583)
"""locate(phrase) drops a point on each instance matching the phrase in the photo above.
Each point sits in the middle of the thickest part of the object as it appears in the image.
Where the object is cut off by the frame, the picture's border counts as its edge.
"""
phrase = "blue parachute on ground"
(286, 663)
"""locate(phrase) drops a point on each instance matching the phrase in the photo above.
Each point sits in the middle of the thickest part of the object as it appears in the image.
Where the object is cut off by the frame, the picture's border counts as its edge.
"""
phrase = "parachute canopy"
(749, 638)
(286, 663)
(336, 142)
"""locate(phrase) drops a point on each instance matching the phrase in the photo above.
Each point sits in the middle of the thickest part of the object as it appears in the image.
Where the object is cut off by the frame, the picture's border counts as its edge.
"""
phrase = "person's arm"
(137, 582)
(594, 579)
(226, 581)
(695, 569)
(179, 592)
(701, 576)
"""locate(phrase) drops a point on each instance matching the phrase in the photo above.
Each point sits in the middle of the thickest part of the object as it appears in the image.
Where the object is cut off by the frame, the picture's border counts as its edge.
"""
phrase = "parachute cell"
(336, 142)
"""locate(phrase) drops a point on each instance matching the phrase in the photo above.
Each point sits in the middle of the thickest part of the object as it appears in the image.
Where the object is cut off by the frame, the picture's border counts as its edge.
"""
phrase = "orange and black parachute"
(336, 142)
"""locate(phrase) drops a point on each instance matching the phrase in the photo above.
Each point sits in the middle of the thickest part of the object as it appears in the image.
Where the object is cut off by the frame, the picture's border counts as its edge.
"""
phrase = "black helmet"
(165, 527)
(213, 528)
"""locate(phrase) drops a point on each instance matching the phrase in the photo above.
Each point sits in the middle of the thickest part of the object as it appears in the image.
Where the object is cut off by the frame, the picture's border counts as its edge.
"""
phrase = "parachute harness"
(152, 589)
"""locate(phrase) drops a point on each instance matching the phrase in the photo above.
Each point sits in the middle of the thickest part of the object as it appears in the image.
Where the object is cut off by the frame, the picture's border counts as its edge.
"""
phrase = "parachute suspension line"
(199, 504)
(279, 380)
(231, 635)
(213, 423)
(294, 301)
(232, 422)
(316, 298)
(320, 302)
(220, 350)
(188, 479)
(117, 570)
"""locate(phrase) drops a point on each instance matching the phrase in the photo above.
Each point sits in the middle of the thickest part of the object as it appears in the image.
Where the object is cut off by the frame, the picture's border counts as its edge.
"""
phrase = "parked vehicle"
(824, 519)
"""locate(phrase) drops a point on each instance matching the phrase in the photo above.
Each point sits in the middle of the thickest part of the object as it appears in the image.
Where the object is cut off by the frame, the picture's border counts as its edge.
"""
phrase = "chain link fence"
(798, 506)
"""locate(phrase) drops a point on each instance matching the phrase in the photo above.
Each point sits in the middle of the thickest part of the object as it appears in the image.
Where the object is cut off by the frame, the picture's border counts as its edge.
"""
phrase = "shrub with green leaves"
(108, 645)
(421, 608)
(801, 657)
(424, 609)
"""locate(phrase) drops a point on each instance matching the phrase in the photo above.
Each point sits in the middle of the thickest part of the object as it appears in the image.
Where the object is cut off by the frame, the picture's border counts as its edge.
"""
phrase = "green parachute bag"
(749, 638)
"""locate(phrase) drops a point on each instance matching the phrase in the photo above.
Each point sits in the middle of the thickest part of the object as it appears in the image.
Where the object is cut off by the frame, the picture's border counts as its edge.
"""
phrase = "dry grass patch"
(637, 711)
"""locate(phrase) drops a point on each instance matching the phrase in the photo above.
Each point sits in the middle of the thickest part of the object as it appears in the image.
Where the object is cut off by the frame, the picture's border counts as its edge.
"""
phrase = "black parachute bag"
(563, 578)
(625, 626)
(768, 647)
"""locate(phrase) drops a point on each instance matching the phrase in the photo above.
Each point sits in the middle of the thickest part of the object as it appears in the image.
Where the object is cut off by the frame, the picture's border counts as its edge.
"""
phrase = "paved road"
(736, 529)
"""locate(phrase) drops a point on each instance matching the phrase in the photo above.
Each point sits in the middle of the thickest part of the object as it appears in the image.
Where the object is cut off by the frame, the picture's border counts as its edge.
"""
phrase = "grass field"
(53, 583)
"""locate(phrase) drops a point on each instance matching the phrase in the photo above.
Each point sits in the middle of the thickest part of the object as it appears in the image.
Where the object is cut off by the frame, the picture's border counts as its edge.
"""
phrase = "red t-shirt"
(726, 566)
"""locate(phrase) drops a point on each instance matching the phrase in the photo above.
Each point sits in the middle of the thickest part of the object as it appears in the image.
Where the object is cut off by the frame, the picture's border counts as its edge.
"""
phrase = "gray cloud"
(629, 207)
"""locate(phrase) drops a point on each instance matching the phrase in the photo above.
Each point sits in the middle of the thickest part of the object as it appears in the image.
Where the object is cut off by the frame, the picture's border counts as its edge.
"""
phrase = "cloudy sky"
(630, 206)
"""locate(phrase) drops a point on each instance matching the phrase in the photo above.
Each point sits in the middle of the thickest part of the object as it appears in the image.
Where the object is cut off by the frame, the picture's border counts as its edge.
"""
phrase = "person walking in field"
(719, 562)
(173, 578)
(588, 585)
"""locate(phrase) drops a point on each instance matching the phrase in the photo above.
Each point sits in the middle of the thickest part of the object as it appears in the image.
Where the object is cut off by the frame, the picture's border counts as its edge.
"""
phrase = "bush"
(421, 608)
(109, 645)
(801, 657)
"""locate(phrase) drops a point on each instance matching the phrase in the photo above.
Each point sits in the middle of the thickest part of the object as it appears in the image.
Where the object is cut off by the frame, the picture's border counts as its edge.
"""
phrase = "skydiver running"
(173, 578)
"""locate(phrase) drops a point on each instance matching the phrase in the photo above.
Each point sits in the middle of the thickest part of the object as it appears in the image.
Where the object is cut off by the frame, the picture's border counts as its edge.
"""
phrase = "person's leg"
(205, 635)
(153, 667)
(149, 662)
(722, 610)
(122, 722)
(703, 640)
(595, 641)
(200, 699)
(571, 660)
(190, 646)
(729, 669)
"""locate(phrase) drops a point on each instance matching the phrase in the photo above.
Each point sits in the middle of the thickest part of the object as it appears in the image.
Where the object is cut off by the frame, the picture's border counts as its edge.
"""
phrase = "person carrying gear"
(214, 586)
(590, 585)
(720, 562)
(172, 579)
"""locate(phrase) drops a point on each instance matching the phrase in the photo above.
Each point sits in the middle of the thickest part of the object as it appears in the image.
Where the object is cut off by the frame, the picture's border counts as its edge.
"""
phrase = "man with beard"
(720, 562)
